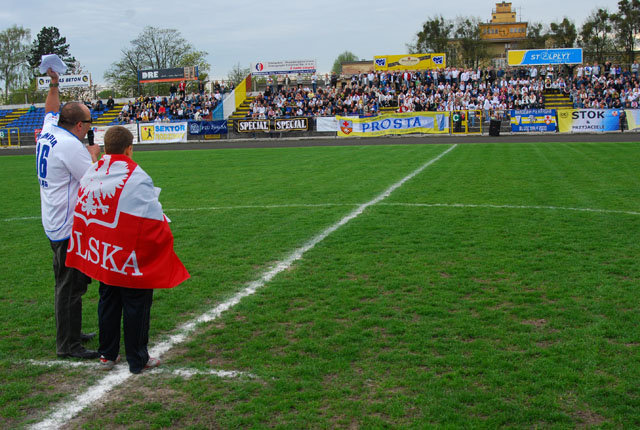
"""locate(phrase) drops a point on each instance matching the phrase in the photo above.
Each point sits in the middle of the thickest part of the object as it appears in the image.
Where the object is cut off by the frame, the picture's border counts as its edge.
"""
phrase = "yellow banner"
(398, 123)
(410, 62)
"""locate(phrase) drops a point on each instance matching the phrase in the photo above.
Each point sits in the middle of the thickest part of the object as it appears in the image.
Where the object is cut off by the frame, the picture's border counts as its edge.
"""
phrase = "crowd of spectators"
(193, 106)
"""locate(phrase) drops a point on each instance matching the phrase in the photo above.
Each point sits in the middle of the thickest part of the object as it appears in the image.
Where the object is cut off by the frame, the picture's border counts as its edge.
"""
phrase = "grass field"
(500, 286)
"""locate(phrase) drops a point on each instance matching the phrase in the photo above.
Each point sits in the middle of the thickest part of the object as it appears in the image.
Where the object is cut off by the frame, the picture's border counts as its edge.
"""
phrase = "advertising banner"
(537, 57)
(588, 120)
(283, 67)
(540, 120)
(163, 132)
(101, 130)
(398, 123)
(168, 75)
(202, 128)
(65, 81)
(633, 119)
(410, 62)
(272, 125)
(327, 123)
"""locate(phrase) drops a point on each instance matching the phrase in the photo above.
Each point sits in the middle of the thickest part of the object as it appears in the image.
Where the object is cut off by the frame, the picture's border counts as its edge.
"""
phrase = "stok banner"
(272, 125)
(537, 57)
(410, 62)
(540, 120)
(399, 123)
(163, 132)
(588, 120)
(633, 119)
(283, 67)
(66, 81)
(168, 75)
(203, 128)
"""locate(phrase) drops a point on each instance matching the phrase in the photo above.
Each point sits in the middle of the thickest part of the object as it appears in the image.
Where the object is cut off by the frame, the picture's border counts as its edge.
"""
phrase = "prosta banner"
(538, 57)
(399, 123)
(540, 120)
(272, 125)
(283, 67)
(66, 81)
(588, 120)
(100, 131)
(163, 132)
(168, 75)
(205, 128)
(410, 62)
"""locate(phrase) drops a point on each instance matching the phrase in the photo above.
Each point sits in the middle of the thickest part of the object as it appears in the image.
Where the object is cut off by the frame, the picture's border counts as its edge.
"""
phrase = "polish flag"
(120, 235)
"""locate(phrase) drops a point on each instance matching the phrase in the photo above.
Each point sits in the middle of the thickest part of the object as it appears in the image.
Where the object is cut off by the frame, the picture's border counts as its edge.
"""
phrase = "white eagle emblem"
(102, 184)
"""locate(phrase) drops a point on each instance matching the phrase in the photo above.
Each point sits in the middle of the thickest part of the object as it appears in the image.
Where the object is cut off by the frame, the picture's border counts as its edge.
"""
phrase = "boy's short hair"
(117, 139)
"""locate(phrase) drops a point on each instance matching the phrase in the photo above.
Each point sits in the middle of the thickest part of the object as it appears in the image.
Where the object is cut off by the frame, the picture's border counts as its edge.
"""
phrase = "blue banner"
(538, 120)
(537, 57)
(200, 128)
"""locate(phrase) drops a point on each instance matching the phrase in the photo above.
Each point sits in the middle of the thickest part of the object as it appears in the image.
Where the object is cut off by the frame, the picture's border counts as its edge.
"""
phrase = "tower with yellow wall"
(504, 31)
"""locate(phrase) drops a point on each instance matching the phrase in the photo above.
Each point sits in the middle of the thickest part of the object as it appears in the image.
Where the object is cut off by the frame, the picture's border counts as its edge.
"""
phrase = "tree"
(627, 25)
(472, 47)
(434, 36)
(238, 73)
(14, 51)
(595, 35)
(563, 34)
(536, 36)
(154, 48)
(49, 41)
(345, 57)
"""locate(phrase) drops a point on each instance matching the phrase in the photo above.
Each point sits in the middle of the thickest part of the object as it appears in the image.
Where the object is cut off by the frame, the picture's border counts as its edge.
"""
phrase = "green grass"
(411, 315)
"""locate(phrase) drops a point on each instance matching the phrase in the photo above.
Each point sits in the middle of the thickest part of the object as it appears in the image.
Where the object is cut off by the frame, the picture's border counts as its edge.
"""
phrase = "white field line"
(489, 206)
(183, 372)
(65, 411)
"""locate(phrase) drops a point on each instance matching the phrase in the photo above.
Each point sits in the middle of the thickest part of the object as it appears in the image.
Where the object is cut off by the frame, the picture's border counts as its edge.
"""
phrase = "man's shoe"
(86, 337)
(151, 363)
(106, 364)
(85, 354)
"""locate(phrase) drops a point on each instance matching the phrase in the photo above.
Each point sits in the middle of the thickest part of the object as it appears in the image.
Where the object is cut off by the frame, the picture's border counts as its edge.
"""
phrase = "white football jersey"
(61, 161)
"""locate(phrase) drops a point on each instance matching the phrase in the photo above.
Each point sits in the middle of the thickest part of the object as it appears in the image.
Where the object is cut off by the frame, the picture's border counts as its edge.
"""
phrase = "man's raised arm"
(52, 104)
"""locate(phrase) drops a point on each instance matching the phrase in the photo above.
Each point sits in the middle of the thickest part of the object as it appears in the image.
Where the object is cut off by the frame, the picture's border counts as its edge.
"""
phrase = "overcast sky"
(247, 32)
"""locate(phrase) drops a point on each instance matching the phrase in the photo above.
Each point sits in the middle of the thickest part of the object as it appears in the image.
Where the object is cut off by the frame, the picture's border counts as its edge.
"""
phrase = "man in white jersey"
(61, 161)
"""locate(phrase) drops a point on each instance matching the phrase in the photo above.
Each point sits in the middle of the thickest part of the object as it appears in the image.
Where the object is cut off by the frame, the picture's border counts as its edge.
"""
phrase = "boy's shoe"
(106, 364)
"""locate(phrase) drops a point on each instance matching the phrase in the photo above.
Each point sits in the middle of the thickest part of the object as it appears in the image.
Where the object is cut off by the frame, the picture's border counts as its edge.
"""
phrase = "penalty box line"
(66, 411)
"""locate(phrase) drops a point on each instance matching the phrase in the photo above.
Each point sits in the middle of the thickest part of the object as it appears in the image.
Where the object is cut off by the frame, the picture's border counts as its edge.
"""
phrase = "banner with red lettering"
(120, 235)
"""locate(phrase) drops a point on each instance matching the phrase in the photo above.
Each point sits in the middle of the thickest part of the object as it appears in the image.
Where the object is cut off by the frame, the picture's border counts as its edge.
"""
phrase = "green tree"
(434, 36)
(154, 48)
(49, 41)
(238, 73)
(345, 57)
(563, 34)
(472, 48)
(14, 51)
(595, 35)
(536, 36)
(627, 25)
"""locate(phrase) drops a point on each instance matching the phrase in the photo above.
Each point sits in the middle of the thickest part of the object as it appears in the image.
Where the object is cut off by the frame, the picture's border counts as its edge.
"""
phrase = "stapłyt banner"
(399, 123)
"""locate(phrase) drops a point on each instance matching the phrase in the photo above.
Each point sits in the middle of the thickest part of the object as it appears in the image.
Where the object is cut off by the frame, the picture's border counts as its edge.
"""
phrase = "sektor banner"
(163, 132)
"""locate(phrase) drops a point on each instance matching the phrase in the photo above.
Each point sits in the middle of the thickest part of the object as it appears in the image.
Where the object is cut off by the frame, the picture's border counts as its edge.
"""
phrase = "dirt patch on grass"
(535, 323)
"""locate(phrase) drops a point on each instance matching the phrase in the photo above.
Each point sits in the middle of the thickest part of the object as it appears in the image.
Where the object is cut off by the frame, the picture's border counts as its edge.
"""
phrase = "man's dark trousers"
(133, 306)
(71, 284)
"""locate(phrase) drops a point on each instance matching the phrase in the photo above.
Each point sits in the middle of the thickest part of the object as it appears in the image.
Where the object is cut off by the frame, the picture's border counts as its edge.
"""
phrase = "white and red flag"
(120, 235)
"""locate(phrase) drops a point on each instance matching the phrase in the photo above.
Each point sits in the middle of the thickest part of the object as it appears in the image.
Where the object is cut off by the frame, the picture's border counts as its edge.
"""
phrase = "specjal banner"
(410, 62)
(539, 120)
(271, 125)
(168, 75)
(588, 120)
(163, 132)
(399, 123)
(66, 81)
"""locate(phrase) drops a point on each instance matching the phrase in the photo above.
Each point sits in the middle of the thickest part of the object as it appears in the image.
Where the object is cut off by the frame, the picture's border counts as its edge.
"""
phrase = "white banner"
(283, 67)
(101, 130)
(326, 123)
(66, 81)
(163, 132)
